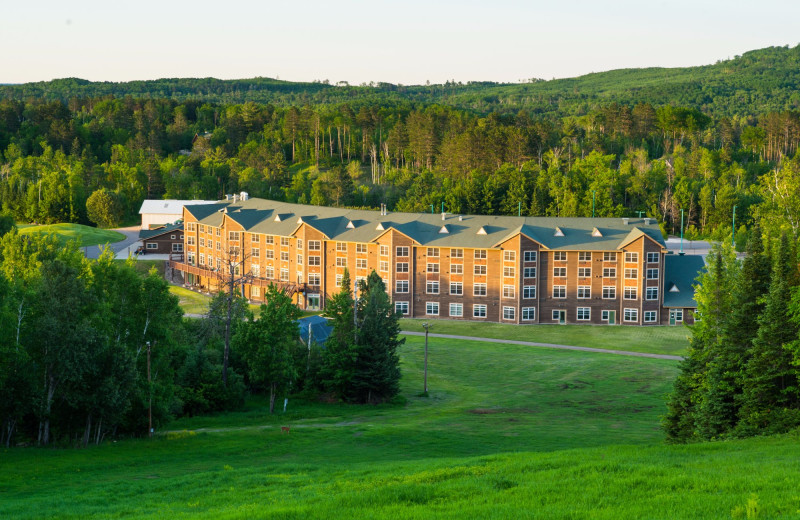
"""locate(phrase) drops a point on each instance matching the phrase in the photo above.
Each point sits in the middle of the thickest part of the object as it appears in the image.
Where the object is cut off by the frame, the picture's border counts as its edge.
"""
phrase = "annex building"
(521, 270)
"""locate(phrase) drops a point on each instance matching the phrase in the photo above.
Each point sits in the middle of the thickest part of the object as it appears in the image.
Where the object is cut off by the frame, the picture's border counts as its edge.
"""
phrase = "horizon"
(358, 42)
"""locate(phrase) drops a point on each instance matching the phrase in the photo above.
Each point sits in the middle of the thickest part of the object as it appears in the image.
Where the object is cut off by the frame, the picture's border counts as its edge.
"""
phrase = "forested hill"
(759, 81)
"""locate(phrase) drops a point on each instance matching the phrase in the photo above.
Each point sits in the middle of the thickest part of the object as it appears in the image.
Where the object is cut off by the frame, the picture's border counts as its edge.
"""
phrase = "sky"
(358, 41)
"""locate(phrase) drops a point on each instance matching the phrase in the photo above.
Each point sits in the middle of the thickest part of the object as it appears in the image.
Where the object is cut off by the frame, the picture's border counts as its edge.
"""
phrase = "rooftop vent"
(300, 220)
(596, 233)
(647, 221)
(380, 227)
(350, 225)
(558, 232)
(481, 231)
(444, 215)
(625, 220)
(244, 195)
(460, 218)
(673, 288)
(443, 229)
(277, 218)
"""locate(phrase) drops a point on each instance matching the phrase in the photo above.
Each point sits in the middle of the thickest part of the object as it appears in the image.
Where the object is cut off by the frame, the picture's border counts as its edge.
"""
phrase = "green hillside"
(758, 81)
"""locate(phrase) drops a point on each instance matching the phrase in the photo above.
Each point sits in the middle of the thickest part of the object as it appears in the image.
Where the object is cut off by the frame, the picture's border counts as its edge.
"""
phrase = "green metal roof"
(680, 275)
(144, 234)
(346, 225)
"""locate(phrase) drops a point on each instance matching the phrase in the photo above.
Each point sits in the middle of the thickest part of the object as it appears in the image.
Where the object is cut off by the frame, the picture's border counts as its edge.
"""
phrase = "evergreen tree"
(339, 357)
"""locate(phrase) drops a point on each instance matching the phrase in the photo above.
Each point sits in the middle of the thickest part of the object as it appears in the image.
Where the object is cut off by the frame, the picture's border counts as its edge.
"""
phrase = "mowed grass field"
(507, 432)
(85, 235)
(654, 339)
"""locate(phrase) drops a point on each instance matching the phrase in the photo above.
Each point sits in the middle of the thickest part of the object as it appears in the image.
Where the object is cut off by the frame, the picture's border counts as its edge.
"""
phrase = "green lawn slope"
(85, 235)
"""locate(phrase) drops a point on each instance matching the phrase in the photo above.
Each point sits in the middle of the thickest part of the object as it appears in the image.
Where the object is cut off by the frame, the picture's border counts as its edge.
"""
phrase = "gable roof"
(258, 216)
(680, 275)
(146, 234)
(168, 207)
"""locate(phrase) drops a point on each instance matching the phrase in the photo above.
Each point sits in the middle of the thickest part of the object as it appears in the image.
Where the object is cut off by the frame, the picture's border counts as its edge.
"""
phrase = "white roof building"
(159, 212)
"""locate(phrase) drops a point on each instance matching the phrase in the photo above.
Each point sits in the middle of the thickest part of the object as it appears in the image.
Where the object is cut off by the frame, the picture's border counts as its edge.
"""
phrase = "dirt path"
(547, 345)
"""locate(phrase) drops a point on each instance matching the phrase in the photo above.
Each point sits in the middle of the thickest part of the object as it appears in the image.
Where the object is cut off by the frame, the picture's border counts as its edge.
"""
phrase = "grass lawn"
(85, 235)
(656, 340)
(507, 432)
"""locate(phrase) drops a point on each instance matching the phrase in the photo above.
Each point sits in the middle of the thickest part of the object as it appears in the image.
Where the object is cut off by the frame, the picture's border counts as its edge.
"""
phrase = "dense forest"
(604, 156)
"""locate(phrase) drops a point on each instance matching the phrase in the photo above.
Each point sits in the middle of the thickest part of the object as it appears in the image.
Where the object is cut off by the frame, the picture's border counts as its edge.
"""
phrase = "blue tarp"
(320, 330)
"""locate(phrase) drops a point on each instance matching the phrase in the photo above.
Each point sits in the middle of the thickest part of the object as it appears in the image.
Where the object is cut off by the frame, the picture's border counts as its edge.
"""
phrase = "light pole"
(425, 377)
(593, 193)
(150, 399)
(733, 239)
(681, 231)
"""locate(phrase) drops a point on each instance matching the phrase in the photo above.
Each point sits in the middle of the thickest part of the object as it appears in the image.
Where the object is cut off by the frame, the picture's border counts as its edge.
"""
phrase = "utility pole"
(425, 377)
(519, 209)
(150, 399)
(681, 231)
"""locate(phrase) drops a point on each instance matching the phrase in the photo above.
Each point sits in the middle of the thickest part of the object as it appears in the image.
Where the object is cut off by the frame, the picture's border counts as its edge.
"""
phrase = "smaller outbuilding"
(680, 277)
(317, 326)
(157, 213)
(163, 240)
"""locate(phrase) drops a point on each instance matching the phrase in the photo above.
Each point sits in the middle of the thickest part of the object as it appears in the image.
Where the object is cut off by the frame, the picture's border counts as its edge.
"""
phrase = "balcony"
(290, 288)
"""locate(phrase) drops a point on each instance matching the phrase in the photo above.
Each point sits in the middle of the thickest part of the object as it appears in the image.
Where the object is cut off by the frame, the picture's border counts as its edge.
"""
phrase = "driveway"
(121, 248)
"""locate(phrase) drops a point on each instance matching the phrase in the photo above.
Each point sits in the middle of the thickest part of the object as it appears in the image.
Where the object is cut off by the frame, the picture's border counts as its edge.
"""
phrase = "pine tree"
(338, 361)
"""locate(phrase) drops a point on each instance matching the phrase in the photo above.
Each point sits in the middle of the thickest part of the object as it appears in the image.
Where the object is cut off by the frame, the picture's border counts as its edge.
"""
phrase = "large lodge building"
(521, 270)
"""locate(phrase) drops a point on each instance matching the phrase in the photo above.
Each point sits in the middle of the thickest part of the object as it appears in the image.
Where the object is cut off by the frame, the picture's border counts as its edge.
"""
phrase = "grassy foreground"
(85, 235)
(654, 340)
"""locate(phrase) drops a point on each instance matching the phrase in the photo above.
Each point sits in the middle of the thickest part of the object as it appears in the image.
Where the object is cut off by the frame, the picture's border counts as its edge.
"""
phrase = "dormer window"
(380, 226)
(443, 229)
(350, 225)
(596, 233)
(481, 231)
(558, 233)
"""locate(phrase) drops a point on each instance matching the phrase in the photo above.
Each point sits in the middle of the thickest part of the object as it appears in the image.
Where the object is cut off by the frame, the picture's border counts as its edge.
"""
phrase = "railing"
(290, 288)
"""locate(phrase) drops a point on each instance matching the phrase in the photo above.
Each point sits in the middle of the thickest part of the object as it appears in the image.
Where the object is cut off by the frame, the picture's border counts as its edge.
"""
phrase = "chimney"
(227, 197)
(234, 198)
(443, 215)
(625, 220)
(647, 221)
(244, 195)
(460, 218)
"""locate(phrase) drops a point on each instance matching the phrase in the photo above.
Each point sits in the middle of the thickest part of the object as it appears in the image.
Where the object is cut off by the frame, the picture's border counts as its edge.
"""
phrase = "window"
(584, 272)
(269, 253)
(402, 267)
(631, 274)
(559, 272)
(609, 293)
(299, 243)
(528, 313)
(254, 239)
(432, 308)
(631, 315)
(609, 272)
(479, 311)
(609, 257)
(384, 265)
(649, 316)
(678, 315)
(152, 245)
(341, 247)
(479, 289)
(604, 315)
(556, 315)
(630, 293)
(432, 287)
(456, 310)
(384, 250)
(584, 256)
(202, 259)
(529, 292)
(509, 256)
(255, 291)
(361, 263)
(508, 313)
(232, 235)
(457, 253)
(433, 268)
(509, 272)
(401, 307)
(189, 241)
(269, 272)
(529, 256)
(631, 258)
(314, 260)
(456, 269)
(529, 272)
(284, 275)
(284, 256)
(401, 286)
(584, 313)
(285, 241)
(341, 261)
(299, 277)
(480, 270)
(456, 288)
(559, 291)
(299, 259)
(218, 231)
(361, 248)
(202, 242)
(190, 226)
(651, 293)
(219, 246)
(256, 270)
(560, 256)
(269, 240)
(652, 258)
(480, 254)
(508, 291)
(402, 250)
(433, 251)
(313, 279)
(339, 278)
(584, 292)
(314, 245)
(255, 252)
(190, 258)
(652, 274)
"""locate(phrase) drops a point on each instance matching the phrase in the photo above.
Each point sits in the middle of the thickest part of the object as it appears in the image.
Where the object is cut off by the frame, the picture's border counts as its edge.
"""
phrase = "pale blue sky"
(360, 41)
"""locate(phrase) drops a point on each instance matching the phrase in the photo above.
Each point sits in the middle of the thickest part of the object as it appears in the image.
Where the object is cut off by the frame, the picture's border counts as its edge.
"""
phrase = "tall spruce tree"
(771, 398)
(338, 360)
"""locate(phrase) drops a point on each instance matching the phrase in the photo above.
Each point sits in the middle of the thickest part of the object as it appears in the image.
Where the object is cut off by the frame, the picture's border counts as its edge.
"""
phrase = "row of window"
(585, 314)
(609, 292)
(631, 273)
(478, 310)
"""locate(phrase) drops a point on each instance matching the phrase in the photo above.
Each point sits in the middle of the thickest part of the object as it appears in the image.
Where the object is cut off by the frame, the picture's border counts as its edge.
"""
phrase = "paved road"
(121, 247)
(547, 345)
(690, 247)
